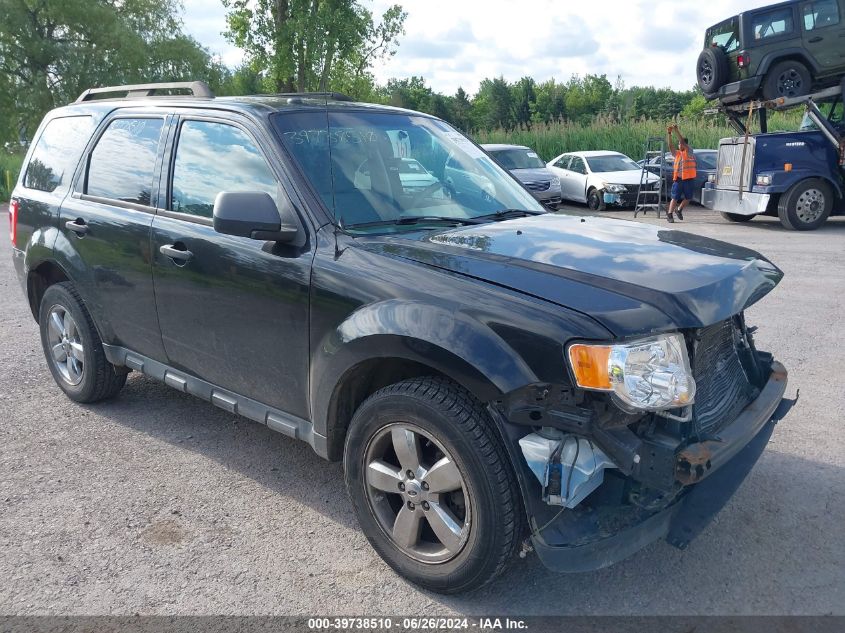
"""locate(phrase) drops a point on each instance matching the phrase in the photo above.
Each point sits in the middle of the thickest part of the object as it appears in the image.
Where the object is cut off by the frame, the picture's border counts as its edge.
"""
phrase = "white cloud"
(455, 43)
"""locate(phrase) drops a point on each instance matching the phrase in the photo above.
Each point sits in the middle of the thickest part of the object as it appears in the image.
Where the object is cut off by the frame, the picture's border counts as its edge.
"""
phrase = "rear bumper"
(712, 470)
(738, 90)
(730, 202)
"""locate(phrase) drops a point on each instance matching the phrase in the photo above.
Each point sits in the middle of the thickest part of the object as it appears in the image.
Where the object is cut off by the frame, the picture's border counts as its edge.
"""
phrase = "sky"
(454, 43)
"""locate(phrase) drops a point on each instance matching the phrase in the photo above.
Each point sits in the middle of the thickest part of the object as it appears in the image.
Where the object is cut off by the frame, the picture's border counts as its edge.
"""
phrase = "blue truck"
(798, 177)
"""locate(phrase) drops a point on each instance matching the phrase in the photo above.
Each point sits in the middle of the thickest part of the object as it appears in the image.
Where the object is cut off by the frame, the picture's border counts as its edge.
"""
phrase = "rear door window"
(57, 153)
(212, 157)
(772, 24)
(122, 163)
(818, 15)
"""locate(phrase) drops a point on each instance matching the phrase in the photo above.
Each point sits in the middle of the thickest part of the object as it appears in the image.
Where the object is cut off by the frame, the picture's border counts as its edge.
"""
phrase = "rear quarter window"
(57, 153)
(122, 163)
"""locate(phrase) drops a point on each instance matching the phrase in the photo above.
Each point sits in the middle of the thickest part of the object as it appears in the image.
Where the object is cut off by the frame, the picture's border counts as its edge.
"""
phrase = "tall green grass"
(628, 137)
(10, 166)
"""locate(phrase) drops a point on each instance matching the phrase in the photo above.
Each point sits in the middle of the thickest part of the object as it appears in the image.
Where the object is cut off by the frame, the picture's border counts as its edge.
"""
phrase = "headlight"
(764, 181)
(555, 182)
(615, 188)
(650, 374)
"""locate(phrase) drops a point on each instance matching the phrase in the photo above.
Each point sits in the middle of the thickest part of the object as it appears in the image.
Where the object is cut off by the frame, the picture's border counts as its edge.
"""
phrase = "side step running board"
(275, 419)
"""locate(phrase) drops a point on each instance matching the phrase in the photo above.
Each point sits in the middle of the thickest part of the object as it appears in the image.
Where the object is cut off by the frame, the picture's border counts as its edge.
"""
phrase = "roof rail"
(196, 88)
(334, 96)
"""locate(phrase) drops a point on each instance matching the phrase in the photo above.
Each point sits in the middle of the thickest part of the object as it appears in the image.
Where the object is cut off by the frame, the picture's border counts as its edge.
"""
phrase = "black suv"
(782, 50)
(492, 376)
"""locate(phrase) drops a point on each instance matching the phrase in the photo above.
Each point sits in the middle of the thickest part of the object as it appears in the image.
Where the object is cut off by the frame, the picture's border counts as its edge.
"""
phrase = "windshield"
(360, 166)
(706, 160)
(611, 162)
(517, 158)
(725, 34)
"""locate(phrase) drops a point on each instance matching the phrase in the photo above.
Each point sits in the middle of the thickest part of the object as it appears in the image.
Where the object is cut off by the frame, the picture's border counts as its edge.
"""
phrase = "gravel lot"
(158, 503)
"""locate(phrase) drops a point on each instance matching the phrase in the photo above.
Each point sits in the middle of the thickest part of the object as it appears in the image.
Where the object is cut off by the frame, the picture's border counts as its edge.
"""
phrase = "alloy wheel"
(417, 493)
(705, 71)
(789, 83)
(66, 350)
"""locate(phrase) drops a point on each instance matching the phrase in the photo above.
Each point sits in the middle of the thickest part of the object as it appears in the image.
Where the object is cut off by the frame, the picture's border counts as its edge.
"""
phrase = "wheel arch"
(393, 340)
(785, 55)
(38, 279)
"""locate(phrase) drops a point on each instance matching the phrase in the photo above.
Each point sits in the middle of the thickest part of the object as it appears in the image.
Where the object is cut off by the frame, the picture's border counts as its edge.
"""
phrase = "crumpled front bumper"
(713, 470)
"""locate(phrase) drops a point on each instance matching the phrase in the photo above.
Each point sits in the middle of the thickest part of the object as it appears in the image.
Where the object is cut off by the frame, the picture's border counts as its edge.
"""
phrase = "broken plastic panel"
(568, 467)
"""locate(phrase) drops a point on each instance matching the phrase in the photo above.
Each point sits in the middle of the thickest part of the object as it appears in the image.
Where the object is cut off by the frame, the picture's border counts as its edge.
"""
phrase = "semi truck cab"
(796, 176)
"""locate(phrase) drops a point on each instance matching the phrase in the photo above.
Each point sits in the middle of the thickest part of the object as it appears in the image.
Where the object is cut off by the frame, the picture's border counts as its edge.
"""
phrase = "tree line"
(52, 50)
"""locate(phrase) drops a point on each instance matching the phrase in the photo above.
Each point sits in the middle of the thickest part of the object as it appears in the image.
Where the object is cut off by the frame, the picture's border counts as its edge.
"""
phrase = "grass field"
(627, 137)
(10, 165)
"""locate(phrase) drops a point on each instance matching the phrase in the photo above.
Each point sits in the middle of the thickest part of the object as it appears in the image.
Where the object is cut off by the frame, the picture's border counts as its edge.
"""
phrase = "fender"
(784, 181)
(416, 332)
(65, 256)
(776, 56)
(38, 249)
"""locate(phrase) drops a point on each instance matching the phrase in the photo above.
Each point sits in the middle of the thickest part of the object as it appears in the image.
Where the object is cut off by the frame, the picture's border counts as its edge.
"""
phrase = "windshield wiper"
(414, 219)
(507, 214)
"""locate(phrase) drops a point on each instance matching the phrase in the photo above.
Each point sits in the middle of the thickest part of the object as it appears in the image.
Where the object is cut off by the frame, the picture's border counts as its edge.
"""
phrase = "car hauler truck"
(797, 176)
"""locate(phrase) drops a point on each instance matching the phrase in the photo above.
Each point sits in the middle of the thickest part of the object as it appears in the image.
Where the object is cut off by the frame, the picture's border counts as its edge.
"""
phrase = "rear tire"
(736, 217)
(73, 348)
(787, 79)
(806, 206)
(431, 420)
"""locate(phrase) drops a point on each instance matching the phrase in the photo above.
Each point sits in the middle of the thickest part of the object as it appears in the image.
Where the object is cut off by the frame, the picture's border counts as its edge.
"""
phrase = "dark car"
(782, 50)
(492, 376)
(706, 167)
(524, 163)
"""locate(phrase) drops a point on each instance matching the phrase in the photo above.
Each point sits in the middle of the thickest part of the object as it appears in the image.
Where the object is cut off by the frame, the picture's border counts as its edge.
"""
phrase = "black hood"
(631, 277)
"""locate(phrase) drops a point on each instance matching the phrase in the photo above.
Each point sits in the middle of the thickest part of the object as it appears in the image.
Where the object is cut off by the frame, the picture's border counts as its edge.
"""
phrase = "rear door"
(823, 33)
(104, 229)
(233, 311)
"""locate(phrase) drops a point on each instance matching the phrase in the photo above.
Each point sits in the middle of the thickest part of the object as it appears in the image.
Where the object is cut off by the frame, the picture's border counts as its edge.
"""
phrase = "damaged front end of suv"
(651, 441)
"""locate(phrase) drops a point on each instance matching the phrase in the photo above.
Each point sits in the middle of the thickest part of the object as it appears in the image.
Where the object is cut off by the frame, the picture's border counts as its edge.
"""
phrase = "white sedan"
(600, 178)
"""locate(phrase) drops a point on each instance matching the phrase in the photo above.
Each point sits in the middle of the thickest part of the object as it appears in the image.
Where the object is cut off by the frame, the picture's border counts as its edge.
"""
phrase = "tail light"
(743, 60)
(14, 206)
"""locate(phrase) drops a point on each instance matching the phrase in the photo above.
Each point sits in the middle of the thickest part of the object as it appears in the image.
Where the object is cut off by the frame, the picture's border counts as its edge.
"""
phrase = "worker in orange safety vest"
(683, 176)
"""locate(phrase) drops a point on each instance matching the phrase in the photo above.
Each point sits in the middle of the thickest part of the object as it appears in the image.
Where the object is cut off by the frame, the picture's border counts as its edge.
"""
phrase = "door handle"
(815, 40)
(78, 226)
(178, 255)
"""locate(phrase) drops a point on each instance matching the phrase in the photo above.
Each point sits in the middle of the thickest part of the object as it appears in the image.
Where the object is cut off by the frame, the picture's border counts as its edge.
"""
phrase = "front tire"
(806, 206)
(595, 200)
(73, 348)
(736, 217)
(432, 486)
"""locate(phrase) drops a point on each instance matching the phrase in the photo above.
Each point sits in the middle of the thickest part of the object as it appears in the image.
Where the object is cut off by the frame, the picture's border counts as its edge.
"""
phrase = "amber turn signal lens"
(590, 364)
(787, 166)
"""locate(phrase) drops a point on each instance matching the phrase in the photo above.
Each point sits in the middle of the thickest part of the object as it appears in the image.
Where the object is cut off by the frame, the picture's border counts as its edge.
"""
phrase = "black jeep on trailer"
(488, 372)
(788, 49)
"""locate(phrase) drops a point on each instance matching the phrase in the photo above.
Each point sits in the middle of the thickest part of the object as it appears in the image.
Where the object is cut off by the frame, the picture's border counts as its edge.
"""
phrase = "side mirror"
(253, 214)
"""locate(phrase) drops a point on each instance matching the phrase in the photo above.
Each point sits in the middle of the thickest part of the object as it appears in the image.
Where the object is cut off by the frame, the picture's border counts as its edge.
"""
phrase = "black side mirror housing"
(254, 214)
